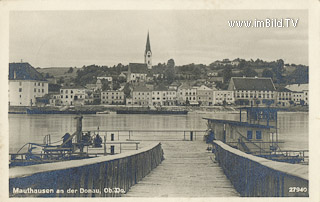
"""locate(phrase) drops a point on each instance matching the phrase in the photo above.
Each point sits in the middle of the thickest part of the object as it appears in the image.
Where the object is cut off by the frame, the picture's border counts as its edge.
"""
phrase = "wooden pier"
(187, 171)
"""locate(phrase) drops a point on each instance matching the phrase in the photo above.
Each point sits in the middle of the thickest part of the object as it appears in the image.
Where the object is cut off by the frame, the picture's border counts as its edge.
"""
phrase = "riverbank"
(113, 108)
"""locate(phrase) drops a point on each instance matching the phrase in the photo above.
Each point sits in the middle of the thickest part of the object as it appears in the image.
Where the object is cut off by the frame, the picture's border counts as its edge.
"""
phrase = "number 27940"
(298, 189)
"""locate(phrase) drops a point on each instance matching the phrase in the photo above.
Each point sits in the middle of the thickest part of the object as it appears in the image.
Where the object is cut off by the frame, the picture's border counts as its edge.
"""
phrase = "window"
(43, 90)
(20, 83)
(258, 135)
(20, 89)
(66, 96)
(42, 84)
(35, 90)
(249, 134)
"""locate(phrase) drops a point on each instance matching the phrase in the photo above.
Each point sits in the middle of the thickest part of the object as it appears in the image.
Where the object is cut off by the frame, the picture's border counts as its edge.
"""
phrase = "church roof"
(138, 68)
(148, 47)
(24, 71)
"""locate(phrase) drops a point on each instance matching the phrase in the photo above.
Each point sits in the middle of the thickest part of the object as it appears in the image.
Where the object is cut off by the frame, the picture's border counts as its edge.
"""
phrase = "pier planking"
(187, 171)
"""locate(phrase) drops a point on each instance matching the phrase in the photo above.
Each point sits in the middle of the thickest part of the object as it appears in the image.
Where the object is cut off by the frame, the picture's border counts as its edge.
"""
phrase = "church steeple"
(148, 54)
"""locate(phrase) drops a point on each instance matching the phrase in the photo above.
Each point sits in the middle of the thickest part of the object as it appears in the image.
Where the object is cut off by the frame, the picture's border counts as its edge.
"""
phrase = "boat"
(79, 145)
(150, 111)
(57, 111)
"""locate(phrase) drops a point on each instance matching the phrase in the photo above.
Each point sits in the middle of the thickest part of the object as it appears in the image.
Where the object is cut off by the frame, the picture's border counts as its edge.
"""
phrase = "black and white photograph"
(159, 101)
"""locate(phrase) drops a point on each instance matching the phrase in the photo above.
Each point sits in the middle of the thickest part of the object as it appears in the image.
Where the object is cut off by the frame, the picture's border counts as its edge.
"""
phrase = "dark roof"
(253, 83)
(161, 88)
(238, 123)
(141, 88)
(24, 71)
(157, 70)
(138, 68)
(72, 87)
(148, 48)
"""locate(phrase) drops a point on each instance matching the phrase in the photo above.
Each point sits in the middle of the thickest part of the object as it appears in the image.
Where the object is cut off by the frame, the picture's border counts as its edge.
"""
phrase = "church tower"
(148, 54)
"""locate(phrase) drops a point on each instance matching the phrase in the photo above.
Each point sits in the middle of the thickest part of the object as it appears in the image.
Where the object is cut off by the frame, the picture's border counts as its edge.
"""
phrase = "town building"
(187, 94)
(107, 78)
(221, 97)
(162, 96)
(141, 95)
(72, 95)
(26, 84)
(300, 93)
(137, 72)
(112, 97)
(253, 90)
(54, 99)
(284, 97)
(204, 95)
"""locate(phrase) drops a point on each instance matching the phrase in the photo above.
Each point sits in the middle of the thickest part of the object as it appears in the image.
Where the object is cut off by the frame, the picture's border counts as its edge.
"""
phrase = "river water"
(293, 127)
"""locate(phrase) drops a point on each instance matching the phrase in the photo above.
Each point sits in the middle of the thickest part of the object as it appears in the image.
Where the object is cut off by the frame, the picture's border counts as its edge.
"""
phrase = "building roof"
(141, 88)
(186, 86)
(24, 71)
(161, 88)
(238, 123)
(141, 68)
(252, 83)
(73, 87)
(297, 87)
(203, 87)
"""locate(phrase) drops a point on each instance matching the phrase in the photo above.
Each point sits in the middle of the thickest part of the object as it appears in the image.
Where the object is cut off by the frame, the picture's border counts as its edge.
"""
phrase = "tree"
(267, 73)
(249, 72)
(127, 90)
(70, 70)
(170, 63)
(105, 85)
(226, 74)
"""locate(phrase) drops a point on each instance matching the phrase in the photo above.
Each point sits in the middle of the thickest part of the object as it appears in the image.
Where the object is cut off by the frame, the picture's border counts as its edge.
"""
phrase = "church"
(142, 72)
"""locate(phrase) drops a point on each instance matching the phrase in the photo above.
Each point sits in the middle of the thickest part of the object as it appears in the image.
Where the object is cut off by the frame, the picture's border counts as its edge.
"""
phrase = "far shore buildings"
(26, 84)
(72, 95)
(253, 90)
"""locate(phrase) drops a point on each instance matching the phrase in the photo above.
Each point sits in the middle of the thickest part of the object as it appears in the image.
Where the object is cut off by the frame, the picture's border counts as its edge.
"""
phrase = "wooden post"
(105, 146)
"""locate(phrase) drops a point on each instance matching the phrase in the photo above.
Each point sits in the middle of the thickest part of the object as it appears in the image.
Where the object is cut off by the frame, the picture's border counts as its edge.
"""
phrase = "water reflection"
(32, 128)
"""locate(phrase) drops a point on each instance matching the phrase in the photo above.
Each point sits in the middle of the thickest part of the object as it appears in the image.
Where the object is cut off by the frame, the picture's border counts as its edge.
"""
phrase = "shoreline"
(190, 109)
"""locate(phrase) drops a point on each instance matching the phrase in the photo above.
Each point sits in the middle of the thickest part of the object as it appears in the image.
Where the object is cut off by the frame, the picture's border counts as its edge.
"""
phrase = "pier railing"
(256, 176)
(151, 135)
(103, 176)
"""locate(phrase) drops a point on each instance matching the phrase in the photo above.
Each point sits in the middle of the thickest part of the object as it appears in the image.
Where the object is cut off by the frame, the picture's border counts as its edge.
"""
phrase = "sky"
(108, 37)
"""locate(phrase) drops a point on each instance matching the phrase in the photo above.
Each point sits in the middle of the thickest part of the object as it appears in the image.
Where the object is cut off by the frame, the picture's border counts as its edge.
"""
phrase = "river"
(293, 126)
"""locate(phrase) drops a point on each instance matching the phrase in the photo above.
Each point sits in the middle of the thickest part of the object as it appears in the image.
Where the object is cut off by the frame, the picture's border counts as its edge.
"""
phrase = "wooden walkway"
(187, 171)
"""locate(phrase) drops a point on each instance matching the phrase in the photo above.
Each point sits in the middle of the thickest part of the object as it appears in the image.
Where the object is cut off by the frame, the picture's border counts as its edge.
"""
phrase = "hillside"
(58, 72)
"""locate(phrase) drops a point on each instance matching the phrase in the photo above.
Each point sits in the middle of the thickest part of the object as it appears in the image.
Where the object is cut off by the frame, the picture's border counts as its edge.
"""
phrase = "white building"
(300, 93)
(253, 90)
(204, 95)
(219, 96)
(187, 94)
(162, 96)
(72, 95)
(25, 85)
(141, 95)
(112, 97)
